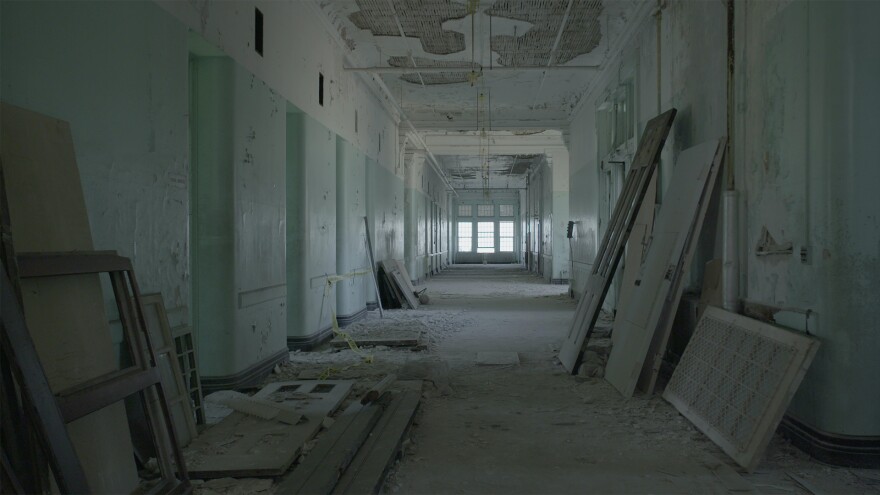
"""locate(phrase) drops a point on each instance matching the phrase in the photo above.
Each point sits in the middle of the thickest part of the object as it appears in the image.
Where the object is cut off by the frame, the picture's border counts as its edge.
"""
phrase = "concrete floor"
(531, 427)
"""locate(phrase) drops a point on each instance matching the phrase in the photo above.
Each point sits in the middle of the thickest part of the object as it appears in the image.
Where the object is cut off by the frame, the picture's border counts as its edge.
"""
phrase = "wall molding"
(309, 342)
(831, 448)
(345, 320)
(252, 375)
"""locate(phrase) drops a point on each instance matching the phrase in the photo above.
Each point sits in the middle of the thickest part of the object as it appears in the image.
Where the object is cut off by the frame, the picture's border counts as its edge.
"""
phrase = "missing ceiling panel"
(580, 34)
(523, 164)
(433, 77)
(422, 19)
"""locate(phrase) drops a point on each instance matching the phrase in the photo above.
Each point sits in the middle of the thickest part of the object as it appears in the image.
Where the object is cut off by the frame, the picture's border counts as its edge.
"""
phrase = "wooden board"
(406, 278)
(656, 292)
(176, 391)
(736, 379)
(243, 445)
(367, 471)
(381, 336)
(635, 251)
(48, 213)
(710, 294)
(322, 467)
(49, 426)
(610, 251)
(189, 367)
(316, 398)
(402, 284)
(246, 446)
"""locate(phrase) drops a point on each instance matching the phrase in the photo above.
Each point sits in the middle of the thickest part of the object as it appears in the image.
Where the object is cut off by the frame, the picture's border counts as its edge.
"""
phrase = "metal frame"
(142, 377)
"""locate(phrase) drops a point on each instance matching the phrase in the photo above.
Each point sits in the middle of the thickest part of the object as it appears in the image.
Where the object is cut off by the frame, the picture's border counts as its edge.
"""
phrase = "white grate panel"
(736, 378)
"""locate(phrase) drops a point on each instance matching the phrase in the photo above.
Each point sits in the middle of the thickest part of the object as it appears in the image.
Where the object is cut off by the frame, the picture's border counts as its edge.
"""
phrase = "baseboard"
(252, 375)
(372, 306)
(831, 448)
(309, 342)
(345, 320)
(559, 281)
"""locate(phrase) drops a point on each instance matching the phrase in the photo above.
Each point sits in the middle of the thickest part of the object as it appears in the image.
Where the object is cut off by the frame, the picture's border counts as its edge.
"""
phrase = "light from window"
(485, 210)
(485, 237)
(505, 237)
(465, 237)
(505, 210)
(465, 211)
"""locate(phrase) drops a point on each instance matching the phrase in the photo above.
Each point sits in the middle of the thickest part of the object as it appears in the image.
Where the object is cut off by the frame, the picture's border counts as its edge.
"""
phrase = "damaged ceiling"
(529, 59)
(488, 171)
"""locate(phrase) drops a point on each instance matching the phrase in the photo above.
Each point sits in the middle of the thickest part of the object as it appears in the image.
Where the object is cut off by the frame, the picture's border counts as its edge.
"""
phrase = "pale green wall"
(239, 231)
(311, 226)
(805, 89)
(117, 73)
(807, 170)
(385, 209)
(351, 251)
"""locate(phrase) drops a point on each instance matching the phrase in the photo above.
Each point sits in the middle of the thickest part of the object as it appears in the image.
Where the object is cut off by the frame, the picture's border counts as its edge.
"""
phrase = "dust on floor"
(530, 427)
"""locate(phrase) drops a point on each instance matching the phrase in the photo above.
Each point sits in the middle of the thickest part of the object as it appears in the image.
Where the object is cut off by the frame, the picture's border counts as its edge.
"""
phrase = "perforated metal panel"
(736, 378)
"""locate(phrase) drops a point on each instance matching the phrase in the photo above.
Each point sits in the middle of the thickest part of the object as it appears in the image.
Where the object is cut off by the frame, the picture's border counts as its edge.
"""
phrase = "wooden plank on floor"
(322, 467)
(663, 269)
(243, 445)
(367, 471)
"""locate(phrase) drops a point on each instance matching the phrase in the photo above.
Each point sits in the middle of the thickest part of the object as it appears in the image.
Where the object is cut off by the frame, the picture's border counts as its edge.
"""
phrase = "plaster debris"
(423, 20)
(433, 77)
(580, 34)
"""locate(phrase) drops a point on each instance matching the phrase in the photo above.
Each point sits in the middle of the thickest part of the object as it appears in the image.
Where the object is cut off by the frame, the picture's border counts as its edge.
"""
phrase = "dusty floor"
(531, 428)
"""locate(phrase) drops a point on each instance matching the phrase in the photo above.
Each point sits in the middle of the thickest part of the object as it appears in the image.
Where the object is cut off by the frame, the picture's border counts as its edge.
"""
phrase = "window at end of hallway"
(505, 210)
(485, 210)
(465, 237)
(505, 237)
(465, 211)
(485, 237)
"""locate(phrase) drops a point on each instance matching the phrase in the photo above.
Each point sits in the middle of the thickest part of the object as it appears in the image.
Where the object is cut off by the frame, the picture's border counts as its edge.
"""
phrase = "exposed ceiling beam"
(553, 50)
(403, 37)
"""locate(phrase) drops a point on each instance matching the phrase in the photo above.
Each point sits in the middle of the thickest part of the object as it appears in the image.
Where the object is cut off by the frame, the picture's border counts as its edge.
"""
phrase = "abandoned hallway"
(439, 246)
(529, 427)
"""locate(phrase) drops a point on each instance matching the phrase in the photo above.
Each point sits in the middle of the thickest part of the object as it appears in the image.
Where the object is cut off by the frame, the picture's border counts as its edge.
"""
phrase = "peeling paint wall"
(351, 250)
(311, 226)
(807, 171)
(805, 84)
(297, 46)
(239, 222)
(117, 73)
(424, 196)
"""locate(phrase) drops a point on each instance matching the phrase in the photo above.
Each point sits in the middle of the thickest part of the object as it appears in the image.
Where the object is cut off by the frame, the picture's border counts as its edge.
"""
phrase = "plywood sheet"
(736, 378)
(663, 268)
(65, 315)
(615, 238)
